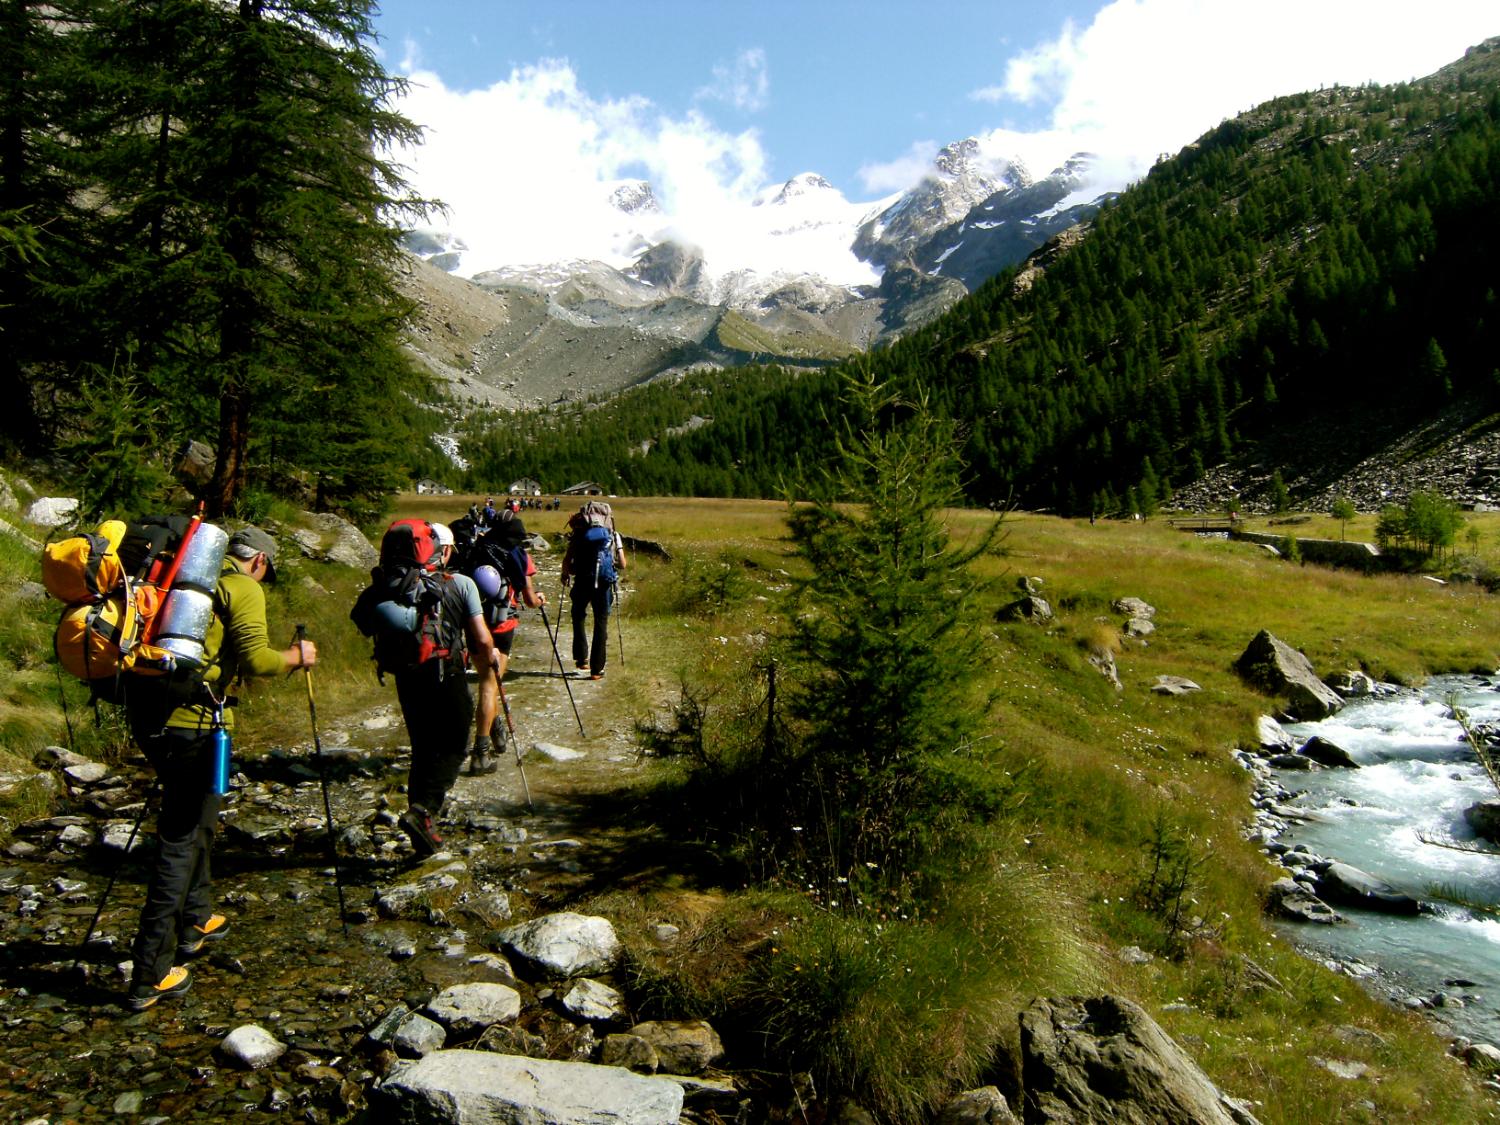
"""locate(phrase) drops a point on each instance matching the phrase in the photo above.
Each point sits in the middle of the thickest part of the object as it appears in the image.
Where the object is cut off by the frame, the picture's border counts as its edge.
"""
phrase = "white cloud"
(744, 83)
(901, 173)
(1146, 77)
(526, 167)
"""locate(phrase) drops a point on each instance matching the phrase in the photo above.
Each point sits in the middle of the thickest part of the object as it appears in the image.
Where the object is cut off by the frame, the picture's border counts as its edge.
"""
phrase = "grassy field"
(1097, 783)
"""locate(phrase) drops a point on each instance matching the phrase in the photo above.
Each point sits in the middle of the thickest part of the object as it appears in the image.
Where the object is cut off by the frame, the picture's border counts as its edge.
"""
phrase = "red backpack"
(408, 608)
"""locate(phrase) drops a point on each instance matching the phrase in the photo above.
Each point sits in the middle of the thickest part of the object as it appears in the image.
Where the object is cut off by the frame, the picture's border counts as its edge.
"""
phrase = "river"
(1416, 778)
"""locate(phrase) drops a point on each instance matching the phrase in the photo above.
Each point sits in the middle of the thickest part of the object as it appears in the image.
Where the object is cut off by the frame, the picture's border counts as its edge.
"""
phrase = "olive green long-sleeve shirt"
(238, 645)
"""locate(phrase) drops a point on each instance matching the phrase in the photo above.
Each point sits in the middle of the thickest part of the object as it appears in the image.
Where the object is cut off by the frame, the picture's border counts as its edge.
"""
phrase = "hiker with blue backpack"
(498, 562)
(592, 563)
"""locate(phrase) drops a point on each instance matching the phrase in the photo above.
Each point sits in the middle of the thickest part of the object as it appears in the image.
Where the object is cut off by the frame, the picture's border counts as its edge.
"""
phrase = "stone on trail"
(553, 752)
(252, 1047)
(682, 1046)
(1292, 900)
(629, 1051)
(418, 1037)
(564, 944)
(593, 1000)
(480, 1086)
(465, 1008)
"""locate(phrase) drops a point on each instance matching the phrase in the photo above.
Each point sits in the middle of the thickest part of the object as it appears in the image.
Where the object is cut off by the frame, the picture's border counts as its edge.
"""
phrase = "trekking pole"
(515, 745)
(114, 875)
(62, 698)
(619, 629)
(333, 844)
(546, 625)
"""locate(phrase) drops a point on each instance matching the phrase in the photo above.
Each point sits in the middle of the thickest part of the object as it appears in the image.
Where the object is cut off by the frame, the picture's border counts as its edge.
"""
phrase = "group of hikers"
(444, 601)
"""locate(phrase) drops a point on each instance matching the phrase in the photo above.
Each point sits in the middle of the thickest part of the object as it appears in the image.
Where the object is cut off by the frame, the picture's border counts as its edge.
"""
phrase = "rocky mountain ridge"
(554, 332)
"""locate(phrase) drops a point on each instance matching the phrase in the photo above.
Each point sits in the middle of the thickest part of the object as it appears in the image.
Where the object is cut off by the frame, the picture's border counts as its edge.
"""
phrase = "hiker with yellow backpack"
(179, 740)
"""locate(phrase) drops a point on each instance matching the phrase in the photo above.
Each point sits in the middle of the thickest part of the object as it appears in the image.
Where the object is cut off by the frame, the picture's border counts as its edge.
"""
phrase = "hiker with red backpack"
(503, 570)
(427, 623)
(179, 739)
(592, 562)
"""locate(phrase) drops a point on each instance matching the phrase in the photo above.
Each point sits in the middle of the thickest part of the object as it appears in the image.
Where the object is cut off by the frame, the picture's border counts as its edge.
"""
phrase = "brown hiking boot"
(483, 759)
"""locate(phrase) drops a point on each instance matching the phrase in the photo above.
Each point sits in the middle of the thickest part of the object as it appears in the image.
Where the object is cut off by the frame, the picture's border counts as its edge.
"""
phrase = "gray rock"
(564, 944)
(52, 511)
(86, 773)
(1484, 818)
(1326, 753)
(1025, 609)
(1291, 900)
(1134, 608)
(464, 1087)
(411, 900)
(466, 1008)
(1276, 667)
(1174, 685)
(1101, 1059)
(195, 464)
(1483, 1057)
(1351, 683)
(555, 753)
(1352, 887)
(595, 1001)
(336, 540)
(58, 757)
(630, 1051)
(1273, 735)
(1135, 955)
(117, 836)
(252, 1047)
(682, 1046)
(1104, 663)
(984, 1106)
(418, 1036)
(1139, 627)
(1291, 762)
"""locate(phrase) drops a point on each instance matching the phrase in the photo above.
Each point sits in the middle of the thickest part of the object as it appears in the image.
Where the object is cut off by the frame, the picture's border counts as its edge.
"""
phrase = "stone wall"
(1332, 552)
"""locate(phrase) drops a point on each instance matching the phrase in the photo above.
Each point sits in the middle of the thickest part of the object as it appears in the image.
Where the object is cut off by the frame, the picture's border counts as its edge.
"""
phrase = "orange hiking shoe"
(175, 983)
(194, 937)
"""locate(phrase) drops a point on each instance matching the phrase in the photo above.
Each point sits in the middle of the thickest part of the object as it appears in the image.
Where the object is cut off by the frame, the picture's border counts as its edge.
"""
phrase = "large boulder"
(1327, 753)
(1276, 667)
(564, 944)
(53, 511)
(1484, 818)
(1102, 1059)
(333, 539)
(466, 1008)
(1273, 736)
(469, 1087)
(1352, 887)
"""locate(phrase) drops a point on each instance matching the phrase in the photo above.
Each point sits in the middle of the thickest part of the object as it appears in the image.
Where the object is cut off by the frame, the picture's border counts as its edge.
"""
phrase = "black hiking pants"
(439, 710)
(600, 599)
(179, 893)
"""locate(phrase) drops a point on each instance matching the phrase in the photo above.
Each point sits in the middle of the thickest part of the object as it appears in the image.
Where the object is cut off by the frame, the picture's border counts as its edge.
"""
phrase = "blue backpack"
(594, 556)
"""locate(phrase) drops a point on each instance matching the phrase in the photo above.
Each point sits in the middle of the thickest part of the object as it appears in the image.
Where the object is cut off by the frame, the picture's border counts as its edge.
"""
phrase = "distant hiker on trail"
(487, 515)
(502, 569)
(426, 623)
(178, 918)
(592, 562)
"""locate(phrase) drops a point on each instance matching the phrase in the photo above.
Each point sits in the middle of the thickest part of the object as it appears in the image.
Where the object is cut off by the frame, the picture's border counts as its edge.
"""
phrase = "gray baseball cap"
(248, 542)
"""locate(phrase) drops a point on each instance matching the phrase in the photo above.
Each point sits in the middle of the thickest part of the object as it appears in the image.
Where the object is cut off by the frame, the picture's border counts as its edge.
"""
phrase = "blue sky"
(832, 86)
(534, 110)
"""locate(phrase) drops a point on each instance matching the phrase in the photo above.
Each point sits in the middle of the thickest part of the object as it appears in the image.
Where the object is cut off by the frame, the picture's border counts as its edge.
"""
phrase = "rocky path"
(73, 1053)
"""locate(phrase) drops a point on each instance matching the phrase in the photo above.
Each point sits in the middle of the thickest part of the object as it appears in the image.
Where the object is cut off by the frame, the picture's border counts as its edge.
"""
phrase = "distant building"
(429, 487)
(524, 487)
(584, 488)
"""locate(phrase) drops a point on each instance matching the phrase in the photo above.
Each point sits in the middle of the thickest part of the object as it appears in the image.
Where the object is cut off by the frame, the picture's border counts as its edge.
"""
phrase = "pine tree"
(883, 643)
(244, 197)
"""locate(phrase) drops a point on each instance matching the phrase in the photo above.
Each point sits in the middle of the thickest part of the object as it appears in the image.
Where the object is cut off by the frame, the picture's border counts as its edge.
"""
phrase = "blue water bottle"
(221, 761)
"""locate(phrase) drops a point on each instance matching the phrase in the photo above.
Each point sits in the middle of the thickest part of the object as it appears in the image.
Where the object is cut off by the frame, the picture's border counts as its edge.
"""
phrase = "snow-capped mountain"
(798, 274)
